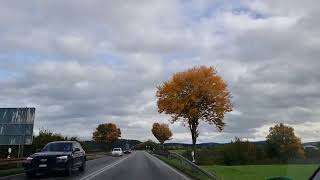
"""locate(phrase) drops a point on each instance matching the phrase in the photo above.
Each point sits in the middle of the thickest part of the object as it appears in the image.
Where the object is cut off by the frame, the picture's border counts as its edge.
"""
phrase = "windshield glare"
(58, 147)
(129, 89)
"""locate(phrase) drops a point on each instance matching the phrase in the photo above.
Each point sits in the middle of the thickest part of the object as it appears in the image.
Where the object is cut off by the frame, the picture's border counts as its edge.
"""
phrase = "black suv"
(56, 156)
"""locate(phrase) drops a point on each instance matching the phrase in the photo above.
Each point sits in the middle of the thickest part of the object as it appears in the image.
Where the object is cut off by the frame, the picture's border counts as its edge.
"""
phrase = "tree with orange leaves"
(161, 132)
(106, 133)
(198, 94)
(283, 144)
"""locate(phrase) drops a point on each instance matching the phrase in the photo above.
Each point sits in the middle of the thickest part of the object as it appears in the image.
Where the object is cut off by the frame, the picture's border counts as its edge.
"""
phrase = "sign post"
(9, 152)
(192, 154)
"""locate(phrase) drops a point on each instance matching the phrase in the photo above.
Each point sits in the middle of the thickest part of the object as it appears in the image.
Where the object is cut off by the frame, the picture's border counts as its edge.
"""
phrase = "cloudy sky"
(81, 63)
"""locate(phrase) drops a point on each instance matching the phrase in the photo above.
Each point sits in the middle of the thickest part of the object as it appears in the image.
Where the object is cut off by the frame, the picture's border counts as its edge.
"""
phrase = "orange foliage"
(106, 133)
(196, 94)
(161, 132)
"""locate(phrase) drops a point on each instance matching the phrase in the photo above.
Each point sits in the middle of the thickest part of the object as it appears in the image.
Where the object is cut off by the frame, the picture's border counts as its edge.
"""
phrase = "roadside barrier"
(182, 162)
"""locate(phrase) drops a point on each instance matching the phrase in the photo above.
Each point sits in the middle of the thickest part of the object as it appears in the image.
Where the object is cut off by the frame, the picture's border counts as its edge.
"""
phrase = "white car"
(117, 152)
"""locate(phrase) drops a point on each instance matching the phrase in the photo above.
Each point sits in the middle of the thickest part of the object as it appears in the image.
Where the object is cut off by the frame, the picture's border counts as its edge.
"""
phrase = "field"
(178, 151)
(262, 172)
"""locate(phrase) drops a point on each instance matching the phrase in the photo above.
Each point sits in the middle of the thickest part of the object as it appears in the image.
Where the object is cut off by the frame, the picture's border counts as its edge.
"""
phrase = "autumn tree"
(106, 133)
(283, 144)
(161, 132)
(197, 94)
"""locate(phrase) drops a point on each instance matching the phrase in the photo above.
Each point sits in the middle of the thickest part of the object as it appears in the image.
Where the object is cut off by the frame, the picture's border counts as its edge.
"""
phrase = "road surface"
(136, 166)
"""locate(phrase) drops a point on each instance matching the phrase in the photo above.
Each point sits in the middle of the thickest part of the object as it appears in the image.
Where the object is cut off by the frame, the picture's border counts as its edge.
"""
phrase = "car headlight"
(29, 159)
(62, 158)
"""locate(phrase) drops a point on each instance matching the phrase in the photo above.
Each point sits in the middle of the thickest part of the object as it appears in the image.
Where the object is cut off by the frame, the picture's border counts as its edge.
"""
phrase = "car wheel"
(30, 174)
(83, 166)
(68, 171)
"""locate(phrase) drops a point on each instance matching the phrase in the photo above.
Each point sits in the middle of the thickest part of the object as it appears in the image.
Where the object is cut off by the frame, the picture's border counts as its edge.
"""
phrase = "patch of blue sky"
(215, 8)
(208, 9)
(249, 12)
(175, 56)
(108, 59)
(6, 74)
(10, 63)
(26, 57)
(13, 62)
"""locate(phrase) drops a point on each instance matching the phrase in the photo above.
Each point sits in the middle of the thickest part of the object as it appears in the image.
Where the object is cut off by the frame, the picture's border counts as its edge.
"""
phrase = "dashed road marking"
(96, 173)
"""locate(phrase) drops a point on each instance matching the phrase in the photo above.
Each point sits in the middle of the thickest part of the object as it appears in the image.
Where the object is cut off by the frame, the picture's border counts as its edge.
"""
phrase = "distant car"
(63, 156)
(117, 152)
(127, 151)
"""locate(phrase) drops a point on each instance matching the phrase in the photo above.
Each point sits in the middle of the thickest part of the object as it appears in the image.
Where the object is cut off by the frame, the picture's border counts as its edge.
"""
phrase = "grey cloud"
(102, 61)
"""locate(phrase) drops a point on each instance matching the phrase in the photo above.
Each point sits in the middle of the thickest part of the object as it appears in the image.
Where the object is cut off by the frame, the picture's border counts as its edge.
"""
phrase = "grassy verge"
(178, 151)
(183, 168)
(262, 172)
(10, 172)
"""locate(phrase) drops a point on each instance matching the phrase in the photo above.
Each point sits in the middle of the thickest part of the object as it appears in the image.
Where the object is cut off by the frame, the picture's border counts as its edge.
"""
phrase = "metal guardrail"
(186, 163)
(193, 165)
(11, 160)
(6, 164)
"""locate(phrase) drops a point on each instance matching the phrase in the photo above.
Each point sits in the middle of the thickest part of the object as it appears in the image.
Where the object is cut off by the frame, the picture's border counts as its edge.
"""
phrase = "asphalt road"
(136, 166)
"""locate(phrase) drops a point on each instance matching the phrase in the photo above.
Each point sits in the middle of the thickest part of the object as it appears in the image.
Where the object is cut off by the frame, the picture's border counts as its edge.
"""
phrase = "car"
(127, 151)
(59, 156)
(117, 152)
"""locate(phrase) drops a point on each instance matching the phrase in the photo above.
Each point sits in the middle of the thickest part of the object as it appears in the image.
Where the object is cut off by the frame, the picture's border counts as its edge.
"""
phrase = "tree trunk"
(194, 140)
(193, 125)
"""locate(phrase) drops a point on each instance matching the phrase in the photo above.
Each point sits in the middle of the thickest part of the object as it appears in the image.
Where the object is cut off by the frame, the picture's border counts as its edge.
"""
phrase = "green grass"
(178, 151)
(10, 172)
(262, 172)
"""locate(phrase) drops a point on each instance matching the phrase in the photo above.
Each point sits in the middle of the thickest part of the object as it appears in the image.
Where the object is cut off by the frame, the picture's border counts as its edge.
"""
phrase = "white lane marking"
(96, 173)
(171, 168)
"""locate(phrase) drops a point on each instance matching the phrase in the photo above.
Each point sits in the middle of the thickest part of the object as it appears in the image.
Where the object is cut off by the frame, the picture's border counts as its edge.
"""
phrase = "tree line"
(281, 146)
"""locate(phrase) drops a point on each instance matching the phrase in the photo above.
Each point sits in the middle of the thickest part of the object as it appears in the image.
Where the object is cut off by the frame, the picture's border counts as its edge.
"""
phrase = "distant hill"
(317, 143)
(122, 143)
(213, 144)
(184, 145)
(204, 145)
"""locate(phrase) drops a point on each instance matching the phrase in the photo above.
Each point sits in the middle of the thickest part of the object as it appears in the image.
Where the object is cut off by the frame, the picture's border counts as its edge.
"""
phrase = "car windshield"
(58, 147)
(228, 88)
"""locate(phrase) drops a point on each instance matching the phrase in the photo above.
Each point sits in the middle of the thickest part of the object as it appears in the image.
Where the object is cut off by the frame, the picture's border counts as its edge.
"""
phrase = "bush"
(239, 152)
(44, 137)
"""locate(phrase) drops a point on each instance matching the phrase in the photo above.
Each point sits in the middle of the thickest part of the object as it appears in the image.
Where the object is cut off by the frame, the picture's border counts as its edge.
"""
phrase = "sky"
(82, 63)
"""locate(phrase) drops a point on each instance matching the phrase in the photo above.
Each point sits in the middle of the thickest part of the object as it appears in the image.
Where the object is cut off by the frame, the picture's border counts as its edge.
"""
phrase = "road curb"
(170, 167)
